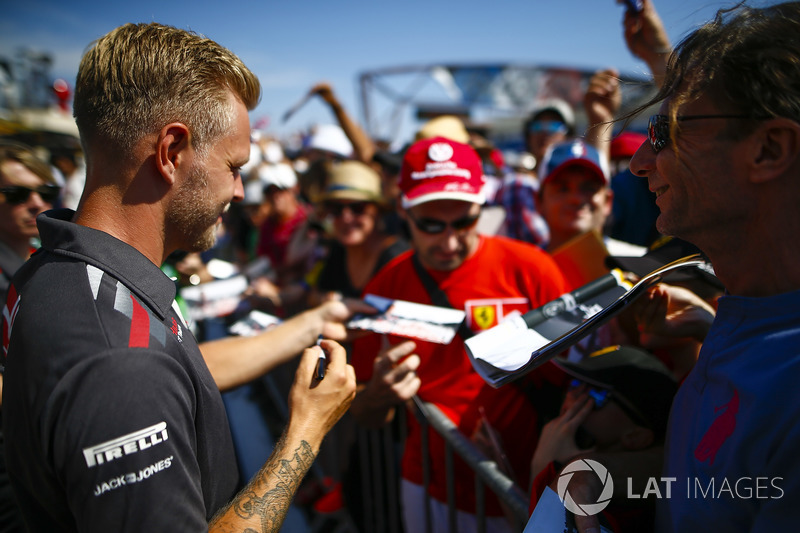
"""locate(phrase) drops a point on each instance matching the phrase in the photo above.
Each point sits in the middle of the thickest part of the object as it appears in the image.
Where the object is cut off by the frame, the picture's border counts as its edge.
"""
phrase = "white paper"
(415, 311)
(408, 319)
(215, 298)
(215, 290)
(508, 345)
(254, 323)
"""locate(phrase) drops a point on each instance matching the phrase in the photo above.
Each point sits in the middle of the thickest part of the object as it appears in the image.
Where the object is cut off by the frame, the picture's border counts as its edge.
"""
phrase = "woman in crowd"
(353, 205)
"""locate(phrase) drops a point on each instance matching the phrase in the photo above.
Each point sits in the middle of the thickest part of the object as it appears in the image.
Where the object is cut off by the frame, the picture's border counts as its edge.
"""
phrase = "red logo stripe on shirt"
(140, 326)
(9, 314)
(721, 428)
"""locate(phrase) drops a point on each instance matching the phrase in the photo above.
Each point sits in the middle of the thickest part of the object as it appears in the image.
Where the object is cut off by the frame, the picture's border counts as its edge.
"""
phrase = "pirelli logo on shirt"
(126, 445)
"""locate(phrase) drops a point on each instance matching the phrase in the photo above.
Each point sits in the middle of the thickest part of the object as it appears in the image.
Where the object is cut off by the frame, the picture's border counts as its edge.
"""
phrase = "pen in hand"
(322, 361)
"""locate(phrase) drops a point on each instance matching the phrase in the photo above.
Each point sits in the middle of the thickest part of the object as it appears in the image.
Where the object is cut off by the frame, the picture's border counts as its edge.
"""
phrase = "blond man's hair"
(140, 77)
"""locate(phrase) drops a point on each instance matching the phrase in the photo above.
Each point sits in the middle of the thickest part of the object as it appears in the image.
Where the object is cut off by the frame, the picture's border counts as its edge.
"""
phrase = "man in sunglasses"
(452, 265)
(552, 122)
(723, 158)
(27, 188)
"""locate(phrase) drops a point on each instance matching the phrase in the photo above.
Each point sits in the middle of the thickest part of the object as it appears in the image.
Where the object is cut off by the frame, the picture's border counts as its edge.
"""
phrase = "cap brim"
(596, 170)
(349, 195)
(473, 198)
(577, 371)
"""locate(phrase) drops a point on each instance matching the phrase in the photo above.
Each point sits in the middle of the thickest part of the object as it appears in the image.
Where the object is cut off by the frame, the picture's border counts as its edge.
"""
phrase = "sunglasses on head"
(547, 126)
(658, 127)
(17, 194)
(337, 208)
(434, 226)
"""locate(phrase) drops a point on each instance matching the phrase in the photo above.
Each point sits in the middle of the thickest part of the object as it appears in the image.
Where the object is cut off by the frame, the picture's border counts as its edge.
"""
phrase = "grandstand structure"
(495, 98)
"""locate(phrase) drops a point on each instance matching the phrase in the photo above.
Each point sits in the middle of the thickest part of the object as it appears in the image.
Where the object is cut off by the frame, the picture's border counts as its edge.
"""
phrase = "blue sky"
(291, 45)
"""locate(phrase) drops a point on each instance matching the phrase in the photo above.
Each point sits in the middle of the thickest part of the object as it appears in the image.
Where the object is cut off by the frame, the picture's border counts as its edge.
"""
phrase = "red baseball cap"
(626, 143)
(441, 169)
(576, 152)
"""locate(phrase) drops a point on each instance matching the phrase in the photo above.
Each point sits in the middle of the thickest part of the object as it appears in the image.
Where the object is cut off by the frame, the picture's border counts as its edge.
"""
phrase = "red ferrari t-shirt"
(502, 276)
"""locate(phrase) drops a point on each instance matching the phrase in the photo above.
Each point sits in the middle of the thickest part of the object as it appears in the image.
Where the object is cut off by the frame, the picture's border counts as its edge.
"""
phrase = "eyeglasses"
(18, 194)
(338, 208)
(434, 226)
(547, 126)
(658, 127)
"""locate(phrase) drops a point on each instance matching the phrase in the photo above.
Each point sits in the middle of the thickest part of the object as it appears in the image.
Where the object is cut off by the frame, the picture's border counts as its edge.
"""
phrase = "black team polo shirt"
(111, 417)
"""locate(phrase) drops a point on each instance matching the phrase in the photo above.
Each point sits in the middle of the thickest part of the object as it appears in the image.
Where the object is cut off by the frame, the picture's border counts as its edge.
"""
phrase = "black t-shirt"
(334, 276)
(112, 419)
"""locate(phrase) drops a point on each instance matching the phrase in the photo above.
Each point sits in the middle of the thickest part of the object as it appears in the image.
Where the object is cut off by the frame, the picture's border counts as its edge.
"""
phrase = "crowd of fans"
(451, 221)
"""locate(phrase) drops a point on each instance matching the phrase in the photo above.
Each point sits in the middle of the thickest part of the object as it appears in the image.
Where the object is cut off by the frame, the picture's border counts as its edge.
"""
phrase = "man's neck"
(755, 264)
(116, 220)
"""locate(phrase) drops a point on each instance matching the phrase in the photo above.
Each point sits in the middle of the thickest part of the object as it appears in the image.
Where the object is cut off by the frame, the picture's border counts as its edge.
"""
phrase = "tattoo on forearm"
(286, 476)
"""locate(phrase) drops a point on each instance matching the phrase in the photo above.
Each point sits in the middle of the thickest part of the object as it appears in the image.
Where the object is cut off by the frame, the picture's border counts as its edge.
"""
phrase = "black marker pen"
(322, 361)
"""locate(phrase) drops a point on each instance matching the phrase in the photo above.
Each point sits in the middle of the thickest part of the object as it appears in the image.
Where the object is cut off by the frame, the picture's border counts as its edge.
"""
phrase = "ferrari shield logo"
(484, 316)
(486, 313)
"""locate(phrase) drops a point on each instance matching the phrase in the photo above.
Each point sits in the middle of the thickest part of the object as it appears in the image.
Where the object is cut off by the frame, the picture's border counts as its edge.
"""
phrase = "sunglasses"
(602, 396)
(433, 226)
(547, 126)
(337, 208)
(18, 194)
(658, 127)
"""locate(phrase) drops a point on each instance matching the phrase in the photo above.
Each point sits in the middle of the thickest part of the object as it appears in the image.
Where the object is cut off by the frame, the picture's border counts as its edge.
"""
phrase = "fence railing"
(373, 504)
(381, 478)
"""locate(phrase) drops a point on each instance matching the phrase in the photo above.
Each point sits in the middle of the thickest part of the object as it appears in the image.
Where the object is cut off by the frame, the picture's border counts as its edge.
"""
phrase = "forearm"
(262, 505)
(647, 39)
(362, 145)
(601, 103)
(657, 63)
(599, 134)
(314, 408)
(234, 361)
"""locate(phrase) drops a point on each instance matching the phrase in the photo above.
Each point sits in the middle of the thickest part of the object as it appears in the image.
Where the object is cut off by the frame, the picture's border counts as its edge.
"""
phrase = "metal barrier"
(379, 452)
(374, 468)
(380, 477)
